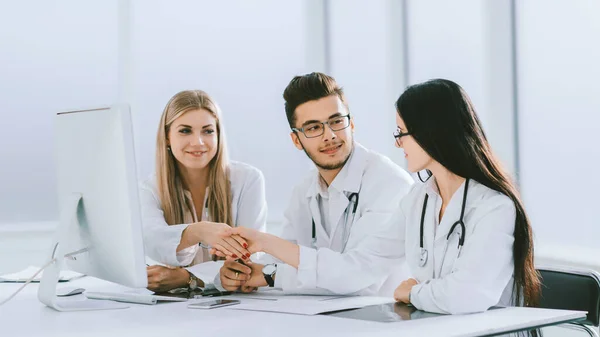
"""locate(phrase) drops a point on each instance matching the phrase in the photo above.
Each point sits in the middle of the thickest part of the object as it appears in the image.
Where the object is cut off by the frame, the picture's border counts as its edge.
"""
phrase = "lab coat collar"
(432, 190)
(349, 178)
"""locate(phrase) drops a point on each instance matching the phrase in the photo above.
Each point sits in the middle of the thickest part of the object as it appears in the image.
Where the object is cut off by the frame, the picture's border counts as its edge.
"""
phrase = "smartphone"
(213, 304)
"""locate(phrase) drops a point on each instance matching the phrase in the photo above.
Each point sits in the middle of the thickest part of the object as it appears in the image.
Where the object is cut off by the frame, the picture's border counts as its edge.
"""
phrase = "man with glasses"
(335, 237)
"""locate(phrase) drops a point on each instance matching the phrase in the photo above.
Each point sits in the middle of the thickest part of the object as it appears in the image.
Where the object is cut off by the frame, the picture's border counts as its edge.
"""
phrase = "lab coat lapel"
(349, 182)
(451, 215)
(427, 271)
(323, 239)
(202, 254)
(338, 203)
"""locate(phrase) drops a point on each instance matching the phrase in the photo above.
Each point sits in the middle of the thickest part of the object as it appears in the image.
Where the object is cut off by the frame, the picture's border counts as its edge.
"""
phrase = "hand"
(161, 279)
(255, 240)
(220, 237)
(233, 275)
(401, 293)
(257, 279)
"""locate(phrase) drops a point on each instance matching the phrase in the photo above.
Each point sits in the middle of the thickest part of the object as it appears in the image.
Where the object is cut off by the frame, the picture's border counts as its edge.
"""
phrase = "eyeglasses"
(399, 134)
(317, 129)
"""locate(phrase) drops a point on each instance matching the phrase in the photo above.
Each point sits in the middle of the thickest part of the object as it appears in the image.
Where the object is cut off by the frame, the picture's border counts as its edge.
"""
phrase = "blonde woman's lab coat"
(249, 209)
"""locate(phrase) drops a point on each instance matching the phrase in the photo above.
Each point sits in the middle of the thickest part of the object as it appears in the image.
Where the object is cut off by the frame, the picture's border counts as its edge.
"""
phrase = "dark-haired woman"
(468, 240)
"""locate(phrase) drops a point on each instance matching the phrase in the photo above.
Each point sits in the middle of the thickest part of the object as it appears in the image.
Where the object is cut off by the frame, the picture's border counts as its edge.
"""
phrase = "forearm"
(282, 249)
(190, 236)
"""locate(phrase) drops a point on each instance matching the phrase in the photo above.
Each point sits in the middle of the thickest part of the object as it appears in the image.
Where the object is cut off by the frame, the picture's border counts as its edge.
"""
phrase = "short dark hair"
(309, 87)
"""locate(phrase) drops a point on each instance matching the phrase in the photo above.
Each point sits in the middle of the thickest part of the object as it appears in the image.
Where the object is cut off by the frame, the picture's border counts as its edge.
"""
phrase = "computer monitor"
(100, 231)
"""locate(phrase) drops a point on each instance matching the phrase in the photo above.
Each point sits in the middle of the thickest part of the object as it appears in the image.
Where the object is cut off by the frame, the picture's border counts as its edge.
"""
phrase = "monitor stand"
(47, 289)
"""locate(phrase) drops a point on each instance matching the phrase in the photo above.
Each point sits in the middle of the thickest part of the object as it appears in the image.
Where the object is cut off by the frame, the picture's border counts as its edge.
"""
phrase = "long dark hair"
(442, 120)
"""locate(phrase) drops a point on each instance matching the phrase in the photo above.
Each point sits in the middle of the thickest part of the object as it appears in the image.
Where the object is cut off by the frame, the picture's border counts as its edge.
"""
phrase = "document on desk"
(310, 306)
(276, 295)
(27, 273)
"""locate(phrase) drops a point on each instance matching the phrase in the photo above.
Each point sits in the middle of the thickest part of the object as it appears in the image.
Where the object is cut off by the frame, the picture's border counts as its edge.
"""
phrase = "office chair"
(572, 289)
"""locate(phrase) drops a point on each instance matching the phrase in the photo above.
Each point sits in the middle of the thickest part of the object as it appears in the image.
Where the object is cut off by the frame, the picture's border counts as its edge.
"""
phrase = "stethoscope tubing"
(353, 198)
(461, 240)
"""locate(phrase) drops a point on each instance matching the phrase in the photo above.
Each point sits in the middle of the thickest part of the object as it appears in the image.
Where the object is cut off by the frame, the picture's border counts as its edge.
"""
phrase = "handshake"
(236, 245)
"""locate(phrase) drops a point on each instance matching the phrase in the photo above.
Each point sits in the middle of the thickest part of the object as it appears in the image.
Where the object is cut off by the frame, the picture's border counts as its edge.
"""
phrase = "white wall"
(53, 56)
(468, 42)
(446, 39)
(559, 101)
(64, 54)
(368, 33)
(243, 54)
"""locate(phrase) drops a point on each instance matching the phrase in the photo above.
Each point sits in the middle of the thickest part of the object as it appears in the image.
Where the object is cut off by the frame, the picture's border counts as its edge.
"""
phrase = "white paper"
(27, 273)
(310, 306)
(275, 295)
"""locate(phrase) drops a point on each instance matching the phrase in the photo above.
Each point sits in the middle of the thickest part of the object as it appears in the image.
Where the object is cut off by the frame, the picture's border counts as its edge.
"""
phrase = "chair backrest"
(571, 290)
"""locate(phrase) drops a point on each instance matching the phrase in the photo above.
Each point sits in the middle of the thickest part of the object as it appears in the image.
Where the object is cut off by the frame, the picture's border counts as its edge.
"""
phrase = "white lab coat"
(249, 209)
(482, 276)
(370, 252)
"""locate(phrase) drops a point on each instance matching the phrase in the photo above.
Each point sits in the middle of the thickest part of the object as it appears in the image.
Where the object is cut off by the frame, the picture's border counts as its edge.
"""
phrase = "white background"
(64, 54)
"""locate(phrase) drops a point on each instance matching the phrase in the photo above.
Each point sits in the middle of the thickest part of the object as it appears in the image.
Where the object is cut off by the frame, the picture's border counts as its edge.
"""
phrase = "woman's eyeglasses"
(399, 134)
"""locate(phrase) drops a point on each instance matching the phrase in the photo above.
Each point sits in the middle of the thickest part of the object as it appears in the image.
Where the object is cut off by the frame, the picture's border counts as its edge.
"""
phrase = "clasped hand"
(250, 239)
(244, 276)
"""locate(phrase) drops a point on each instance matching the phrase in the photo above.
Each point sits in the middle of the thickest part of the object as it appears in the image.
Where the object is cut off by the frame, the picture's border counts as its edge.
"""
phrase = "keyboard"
(132, 297)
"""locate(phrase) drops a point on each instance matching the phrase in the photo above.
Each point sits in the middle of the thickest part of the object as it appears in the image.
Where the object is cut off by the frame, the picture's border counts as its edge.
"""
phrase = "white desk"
(26, 316)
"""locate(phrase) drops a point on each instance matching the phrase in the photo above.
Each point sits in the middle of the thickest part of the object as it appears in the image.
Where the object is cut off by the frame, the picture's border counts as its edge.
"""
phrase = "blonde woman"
(196, 196)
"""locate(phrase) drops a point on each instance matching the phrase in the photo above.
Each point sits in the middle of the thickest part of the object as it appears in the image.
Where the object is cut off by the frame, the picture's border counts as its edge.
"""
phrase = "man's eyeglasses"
(317, 129)
(399, 134)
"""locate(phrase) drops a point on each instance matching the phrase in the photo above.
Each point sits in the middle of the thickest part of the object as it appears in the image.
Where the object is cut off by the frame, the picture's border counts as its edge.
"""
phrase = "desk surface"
(26, 316)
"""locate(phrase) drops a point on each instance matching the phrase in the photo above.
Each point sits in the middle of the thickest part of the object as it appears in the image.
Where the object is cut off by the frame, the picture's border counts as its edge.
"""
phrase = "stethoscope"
(352, 199)
(423, 252)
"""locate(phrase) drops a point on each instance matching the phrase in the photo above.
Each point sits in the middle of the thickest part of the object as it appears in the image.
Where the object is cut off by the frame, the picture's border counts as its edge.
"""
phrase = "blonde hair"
(169, 181)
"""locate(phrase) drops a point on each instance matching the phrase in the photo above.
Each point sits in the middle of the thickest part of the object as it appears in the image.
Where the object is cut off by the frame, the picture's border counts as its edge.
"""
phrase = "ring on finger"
(237, 274)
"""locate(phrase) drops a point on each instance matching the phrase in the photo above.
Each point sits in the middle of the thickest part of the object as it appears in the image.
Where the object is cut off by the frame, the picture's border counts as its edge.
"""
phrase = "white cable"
(68, 256)
(27, 282)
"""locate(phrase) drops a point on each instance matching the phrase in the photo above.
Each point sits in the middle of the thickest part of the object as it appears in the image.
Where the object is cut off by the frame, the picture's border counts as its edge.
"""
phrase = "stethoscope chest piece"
(460, 223)
(423, 257)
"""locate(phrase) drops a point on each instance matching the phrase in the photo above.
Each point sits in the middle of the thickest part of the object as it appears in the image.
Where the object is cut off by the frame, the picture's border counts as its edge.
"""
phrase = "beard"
(329, 166)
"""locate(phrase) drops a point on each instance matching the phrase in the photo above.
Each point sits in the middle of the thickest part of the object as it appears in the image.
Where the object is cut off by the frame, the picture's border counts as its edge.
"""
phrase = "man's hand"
(257, 279)
(217, 235)
(249, 238)
(161, 279)
(233, 275)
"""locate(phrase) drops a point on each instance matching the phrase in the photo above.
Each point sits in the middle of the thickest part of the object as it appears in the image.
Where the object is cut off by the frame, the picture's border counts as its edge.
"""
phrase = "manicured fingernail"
(244, 257)
(245, 245)
(248, 254)
(235, 256)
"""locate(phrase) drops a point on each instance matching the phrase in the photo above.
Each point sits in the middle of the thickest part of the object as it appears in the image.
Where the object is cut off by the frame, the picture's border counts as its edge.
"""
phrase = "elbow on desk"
(470, 301)
(455, 301)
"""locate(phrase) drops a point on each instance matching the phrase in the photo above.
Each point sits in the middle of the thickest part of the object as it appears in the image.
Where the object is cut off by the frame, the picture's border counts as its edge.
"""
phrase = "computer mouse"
(69, 291)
